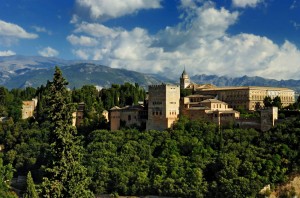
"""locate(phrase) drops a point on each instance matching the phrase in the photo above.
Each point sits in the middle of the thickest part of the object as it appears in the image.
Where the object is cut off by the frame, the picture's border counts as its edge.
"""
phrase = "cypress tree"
(30, 189)
(66, 177)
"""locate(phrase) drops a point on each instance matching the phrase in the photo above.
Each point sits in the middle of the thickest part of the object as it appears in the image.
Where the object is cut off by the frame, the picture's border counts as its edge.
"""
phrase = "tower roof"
(184, 74)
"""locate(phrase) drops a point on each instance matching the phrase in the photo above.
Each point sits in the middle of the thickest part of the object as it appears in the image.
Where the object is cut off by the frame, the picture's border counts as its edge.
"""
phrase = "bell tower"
(184, 80)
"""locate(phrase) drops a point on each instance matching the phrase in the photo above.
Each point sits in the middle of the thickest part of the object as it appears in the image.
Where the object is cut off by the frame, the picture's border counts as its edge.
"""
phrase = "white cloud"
(200, 42)
(246, 3)
(42, 29)
(94, 29)
(81, 54)
(82, 40)
(206, 23)
(7, 53)
(115, 8)
(13, 30)
(48, 52)
(284, 64)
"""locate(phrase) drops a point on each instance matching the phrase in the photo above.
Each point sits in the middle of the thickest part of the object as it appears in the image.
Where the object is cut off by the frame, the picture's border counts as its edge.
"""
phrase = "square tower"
(163, 106)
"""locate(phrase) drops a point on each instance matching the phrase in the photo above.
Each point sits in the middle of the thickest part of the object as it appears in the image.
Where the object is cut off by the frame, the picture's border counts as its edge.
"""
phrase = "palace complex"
(206, 102)
(241, 97)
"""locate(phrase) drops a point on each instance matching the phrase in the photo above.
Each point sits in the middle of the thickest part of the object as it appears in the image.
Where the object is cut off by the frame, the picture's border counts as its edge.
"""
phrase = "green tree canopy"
(30, 188)
(66, 177)
(267, 101)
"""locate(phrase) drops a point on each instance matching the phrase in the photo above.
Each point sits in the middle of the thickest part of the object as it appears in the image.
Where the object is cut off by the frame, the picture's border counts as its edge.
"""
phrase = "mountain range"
(23, 71)
(223, 81)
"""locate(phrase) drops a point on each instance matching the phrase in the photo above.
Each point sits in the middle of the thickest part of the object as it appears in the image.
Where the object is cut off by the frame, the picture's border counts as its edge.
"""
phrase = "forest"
(193, 159)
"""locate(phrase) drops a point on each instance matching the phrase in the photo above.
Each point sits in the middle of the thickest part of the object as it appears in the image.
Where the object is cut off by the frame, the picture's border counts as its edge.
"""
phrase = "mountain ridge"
(21, 71)
(245, 81)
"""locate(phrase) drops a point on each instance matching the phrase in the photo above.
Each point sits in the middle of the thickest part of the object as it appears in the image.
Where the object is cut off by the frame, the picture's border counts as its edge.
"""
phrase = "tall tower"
(163, 106)
(184, 80)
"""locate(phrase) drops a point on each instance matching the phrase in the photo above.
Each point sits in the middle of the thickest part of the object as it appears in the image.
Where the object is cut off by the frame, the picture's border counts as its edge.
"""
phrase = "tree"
(268, 101)
(277, 102)
(66, 177)
(30, 189)
(6, 174)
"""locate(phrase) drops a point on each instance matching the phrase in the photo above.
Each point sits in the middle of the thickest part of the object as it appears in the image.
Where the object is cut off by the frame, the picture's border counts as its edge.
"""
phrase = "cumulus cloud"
(206, 23)
(82, 40)
(11, 33)
(13, 30)
(81, 54)
(246, 3)
(48, 52)
(7, 53)
(94, 29)
(115, 8)
(200, 42)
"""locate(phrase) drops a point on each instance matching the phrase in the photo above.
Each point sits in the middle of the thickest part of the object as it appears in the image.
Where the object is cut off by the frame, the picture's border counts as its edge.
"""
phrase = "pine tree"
(30, 189)
(66, 177)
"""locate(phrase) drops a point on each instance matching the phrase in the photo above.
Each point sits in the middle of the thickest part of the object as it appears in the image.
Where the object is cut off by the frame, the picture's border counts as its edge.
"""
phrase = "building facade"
(240, 97)
(211, 110)
(163, 106)
(249, 97)
(128, 116)
(268, 117)
(28, 108)
(78, 115)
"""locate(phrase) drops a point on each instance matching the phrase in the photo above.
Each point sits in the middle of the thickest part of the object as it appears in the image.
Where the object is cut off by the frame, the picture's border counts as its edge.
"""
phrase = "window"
(129, 117)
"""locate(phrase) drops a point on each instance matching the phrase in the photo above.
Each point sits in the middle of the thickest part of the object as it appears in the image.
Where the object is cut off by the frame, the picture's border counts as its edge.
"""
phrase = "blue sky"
(224, 37)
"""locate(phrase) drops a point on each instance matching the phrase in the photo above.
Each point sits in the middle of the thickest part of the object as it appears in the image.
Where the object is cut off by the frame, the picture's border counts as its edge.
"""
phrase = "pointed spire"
(184, 72)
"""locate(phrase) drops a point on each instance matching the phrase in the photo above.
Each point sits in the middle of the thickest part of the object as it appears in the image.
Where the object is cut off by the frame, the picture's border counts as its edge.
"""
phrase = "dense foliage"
(194, 159)
(65, 176)
(6, 174)
(269, 102)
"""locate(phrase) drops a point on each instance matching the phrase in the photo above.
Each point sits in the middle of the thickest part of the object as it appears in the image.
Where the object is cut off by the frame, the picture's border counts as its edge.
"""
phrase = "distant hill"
(245, 81)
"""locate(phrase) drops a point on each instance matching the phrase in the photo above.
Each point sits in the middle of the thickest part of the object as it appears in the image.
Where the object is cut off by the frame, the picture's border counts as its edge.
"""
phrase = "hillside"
(23, 71)
(81, 74)
(12, 67)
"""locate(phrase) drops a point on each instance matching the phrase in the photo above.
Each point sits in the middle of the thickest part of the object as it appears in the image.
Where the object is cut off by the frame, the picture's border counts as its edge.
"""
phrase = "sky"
(221, 37)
